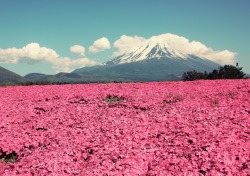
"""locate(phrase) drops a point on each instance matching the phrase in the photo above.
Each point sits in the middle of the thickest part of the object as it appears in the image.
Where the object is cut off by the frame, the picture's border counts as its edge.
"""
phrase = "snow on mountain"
(153, 48)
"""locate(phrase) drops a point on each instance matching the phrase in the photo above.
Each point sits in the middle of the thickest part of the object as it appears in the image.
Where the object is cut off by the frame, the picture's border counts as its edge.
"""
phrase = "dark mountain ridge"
(9, 76)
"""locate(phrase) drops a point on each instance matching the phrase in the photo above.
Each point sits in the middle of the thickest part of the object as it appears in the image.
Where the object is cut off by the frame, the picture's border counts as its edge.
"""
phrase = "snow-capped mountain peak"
(152, 48)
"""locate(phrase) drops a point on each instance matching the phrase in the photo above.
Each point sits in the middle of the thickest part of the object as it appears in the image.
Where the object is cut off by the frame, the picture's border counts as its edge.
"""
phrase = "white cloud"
(66, 64)
(34, 53)
(78, 49)
(126, 43)
(100, 45)
(175, 42)
(31, 51)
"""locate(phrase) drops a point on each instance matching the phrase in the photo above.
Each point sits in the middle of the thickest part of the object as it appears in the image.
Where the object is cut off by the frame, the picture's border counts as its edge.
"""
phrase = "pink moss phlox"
(165, 128)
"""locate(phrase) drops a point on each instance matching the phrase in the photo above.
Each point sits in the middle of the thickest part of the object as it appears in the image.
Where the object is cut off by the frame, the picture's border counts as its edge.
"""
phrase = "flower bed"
(167, 128)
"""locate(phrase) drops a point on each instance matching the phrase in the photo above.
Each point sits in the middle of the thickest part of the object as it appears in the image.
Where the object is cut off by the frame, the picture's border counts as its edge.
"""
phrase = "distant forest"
(225, 72)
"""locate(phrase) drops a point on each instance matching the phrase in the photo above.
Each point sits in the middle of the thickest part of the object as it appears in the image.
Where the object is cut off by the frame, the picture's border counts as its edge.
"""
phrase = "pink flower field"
(162, 128)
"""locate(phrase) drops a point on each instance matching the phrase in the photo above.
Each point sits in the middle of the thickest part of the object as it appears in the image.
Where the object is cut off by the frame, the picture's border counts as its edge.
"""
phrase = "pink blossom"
(158, 128)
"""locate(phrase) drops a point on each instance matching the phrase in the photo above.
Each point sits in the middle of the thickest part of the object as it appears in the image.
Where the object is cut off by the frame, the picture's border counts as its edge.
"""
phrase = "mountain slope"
(148, 70)
(9, 76)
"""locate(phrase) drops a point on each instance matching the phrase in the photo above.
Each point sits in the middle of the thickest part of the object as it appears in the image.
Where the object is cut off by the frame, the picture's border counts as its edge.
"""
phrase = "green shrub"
(113, 99)
(8, 158)
(194, 75)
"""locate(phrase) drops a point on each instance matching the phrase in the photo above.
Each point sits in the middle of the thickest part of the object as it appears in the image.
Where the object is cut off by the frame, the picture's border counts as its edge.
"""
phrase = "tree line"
(223, 72)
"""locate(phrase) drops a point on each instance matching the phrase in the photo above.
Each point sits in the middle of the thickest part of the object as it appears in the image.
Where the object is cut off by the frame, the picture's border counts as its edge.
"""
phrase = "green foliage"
(8, 158)
(225, 72)
(4, 84)
(113, 99)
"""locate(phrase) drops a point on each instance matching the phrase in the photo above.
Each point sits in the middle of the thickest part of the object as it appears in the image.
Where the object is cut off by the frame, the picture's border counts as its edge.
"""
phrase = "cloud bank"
(34, 53)
(100, 45)
(175, 42)
(78, 49)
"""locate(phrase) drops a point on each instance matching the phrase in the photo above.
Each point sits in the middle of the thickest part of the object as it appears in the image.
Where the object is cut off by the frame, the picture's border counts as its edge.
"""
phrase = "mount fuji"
(150, 50)
(154, 60)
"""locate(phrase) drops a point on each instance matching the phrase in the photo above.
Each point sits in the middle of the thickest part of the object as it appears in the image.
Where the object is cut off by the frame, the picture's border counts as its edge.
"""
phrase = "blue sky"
(53, 26)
